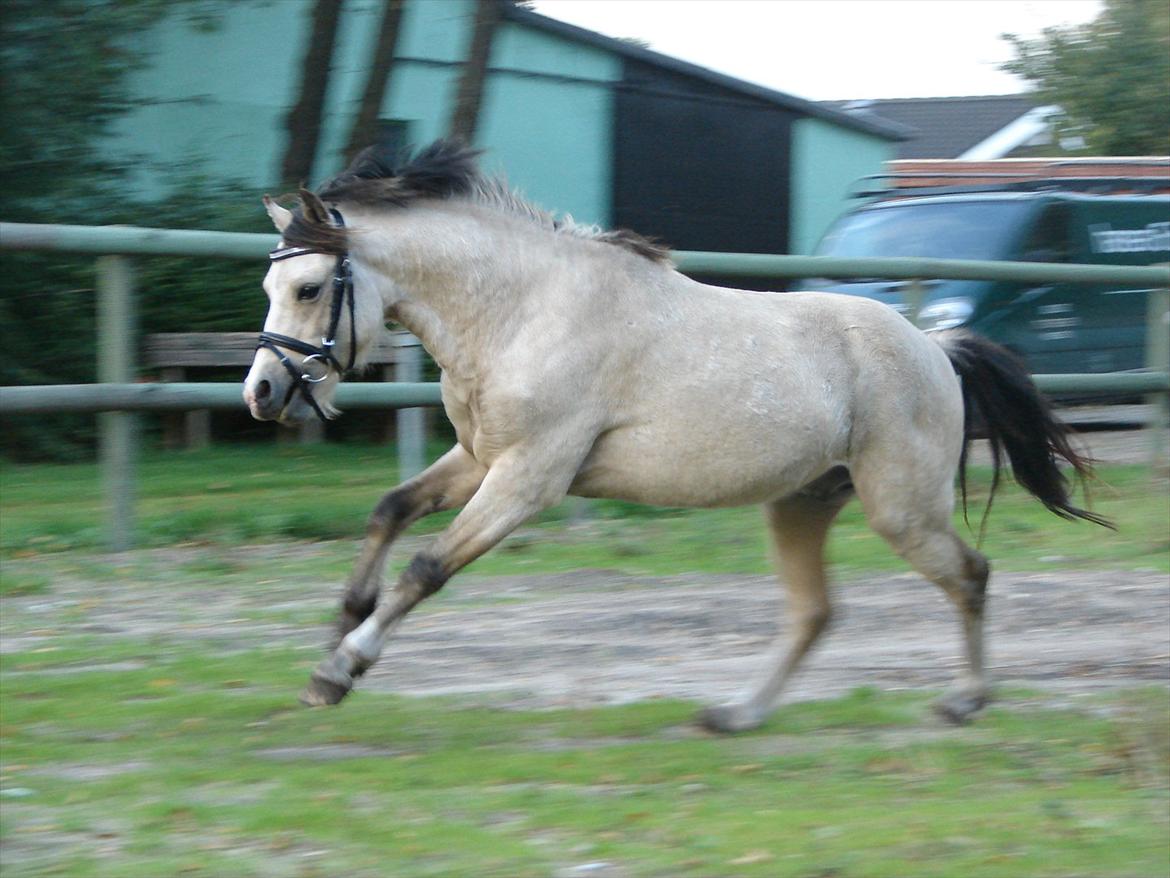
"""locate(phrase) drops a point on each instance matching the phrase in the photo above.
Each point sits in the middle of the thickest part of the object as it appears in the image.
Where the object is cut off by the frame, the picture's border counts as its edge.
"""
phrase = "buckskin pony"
(578, 361)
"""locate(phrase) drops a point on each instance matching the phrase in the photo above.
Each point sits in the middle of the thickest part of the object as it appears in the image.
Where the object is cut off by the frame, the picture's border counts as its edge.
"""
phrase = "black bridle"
(302, 378)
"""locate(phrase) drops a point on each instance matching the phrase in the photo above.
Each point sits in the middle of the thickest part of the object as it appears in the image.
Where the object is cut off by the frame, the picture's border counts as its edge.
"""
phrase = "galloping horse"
(578, 361)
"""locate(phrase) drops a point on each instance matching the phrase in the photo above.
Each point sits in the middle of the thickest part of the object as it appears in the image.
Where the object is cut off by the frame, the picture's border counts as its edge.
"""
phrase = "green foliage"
(65, 67)
(1111, 76)
(48, 306)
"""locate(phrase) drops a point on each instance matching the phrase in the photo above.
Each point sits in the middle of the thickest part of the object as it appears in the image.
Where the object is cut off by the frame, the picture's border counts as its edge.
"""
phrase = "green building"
(607, 131)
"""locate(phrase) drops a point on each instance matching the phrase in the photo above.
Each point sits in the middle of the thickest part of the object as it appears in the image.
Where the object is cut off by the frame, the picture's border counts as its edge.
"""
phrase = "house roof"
(942, 128)
(869, 125)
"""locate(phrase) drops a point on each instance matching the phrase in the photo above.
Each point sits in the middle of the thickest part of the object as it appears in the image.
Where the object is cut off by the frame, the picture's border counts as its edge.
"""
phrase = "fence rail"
(135, 241)
(179, 397)
(184, 396)
(117, 397)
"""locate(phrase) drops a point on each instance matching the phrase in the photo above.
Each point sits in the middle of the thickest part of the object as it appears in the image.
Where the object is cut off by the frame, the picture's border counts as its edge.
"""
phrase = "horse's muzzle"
(265, 400)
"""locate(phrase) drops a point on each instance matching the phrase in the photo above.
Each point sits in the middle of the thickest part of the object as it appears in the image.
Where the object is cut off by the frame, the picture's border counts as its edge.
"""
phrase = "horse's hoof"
(728, 719)
(957, 708)
(325, 690)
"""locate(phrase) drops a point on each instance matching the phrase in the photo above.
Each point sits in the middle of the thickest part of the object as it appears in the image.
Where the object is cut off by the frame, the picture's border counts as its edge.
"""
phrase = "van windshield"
(951, 230)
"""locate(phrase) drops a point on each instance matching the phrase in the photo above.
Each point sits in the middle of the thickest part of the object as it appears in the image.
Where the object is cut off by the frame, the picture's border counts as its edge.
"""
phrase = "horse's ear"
(314, 207)
(280, 216)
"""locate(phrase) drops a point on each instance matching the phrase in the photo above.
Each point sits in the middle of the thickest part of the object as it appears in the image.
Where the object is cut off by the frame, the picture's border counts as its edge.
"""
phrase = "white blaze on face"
(299, 293)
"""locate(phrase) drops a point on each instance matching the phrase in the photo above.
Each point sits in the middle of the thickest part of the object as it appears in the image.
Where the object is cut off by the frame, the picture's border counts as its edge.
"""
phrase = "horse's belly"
(639, 466)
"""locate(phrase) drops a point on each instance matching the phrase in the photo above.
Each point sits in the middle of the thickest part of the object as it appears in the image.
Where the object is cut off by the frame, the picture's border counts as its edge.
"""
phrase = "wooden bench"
(174, 353)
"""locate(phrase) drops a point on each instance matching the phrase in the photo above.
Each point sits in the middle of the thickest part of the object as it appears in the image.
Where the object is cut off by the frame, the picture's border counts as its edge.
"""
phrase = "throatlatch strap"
(342, 289)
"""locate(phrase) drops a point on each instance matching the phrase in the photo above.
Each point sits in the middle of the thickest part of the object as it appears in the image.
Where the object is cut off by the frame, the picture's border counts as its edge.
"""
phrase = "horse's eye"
(308, 292)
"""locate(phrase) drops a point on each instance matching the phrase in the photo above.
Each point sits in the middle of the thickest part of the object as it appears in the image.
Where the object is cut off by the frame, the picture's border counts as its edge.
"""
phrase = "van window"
(1048, 240)
(951, 230)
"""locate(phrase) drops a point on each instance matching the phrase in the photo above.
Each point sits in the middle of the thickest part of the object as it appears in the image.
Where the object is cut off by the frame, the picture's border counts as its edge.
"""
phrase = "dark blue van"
(1057, 327)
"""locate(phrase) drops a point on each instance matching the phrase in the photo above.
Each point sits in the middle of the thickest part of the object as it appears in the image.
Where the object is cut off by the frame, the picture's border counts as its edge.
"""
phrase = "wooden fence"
(117, 395)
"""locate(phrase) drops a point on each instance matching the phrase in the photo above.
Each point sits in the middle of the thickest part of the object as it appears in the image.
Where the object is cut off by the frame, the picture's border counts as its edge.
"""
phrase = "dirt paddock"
(593, 639)
(596, 637)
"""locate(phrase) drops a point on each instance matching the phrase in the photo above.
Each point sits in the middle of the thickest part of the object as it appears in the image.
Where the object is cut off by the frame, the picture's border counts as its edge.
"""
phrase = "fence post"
(411, 423)
(1158, 360)
(117, 440)
(914, 294)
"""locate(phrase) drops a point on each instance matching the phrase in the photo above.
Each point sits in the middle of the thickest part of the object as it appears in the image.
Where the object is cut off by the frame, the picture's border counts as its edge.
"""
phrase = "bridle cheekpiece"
(303, 378)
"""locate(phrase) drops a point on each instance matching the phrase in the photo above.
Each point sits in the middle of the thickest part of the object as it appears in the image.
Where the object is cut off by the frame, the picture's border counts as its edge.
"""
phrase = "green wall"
(215, 102)
(552, 137)
(217, 99)
(826, 160)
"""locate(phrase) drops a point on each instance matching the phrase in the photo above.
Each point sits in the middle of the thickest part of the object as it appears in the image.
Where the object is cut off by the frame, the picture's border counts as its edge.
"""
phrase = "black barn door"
(700, 166)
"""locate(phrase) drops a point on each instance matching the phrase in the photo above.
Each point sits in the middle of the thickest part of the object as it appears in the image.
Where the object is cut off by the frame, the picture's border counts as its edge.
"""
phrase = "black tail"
(1002, 403)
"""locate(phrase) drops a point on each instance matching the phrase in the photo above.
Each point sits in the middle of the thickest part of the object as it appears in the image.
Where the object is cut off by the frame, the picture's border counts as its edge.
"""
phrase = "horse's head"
(315, 329)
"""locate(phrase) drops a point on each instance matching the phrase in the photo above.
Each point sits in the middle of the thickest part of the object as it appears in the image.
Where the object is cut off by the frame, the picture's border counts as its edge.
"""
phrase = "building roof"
(869, 125)
(943, 128)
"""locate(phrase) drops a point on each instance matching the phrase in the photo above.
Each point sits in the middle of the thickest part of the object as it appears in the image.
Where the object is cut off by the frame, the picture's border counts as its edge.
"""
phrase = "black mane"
(441, 170)
(445, 169)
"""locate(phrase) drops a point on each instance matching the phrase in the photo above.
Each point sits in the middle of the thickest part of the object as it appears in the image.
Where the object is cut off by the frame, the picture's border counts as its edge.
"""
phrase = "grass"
(235, 495)
(196, 765)
(126, 754)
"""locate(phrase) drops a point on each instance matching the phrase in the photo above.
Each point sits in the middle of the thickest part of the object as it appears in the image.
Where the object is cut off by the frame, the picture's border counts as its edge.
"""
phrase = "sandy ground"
(591, 638)
(596, 637)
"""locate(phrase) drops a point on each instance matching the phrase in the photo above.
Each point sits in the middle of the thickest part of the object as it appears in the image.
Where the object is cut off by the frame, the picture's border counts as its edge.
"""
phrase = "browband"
(289, 252)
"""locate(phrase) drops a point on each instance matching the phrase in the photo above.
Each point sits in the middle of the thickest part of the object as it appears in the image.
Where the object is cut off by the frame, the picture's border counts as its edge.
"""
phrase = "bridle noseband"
(303, 379)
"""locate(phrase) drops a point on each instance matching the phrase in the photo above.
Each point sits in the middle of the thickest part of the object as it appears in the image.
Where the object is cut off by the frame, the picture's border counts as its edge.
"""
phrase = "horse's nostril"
(263, 390)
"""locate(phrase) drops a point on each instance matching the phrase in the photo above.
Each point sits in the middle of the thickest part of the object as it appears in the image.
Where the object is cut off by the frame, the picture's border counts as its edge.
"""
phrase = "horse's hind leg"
(799, 525)
(912, 511)
(446, 484)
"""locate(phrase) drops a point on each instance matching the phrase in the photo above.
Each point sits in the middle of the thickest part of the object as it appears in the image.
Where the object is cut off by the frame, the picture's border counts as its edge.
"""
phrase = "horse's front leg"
(515, 488)
(445, 484)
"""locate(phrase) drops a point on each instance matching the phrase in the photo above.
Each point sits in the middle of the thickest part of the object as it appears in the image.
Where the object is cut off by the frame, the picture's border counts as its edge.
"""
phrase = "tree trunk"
(304, 119)
(465, 114)
(365, 125)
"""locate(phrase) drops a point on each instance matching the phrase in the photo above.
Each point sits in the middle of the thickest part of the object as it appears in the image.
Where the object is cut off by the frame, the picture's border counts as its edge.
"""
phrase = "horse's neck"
(456, 286)
(442, 341)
